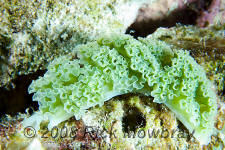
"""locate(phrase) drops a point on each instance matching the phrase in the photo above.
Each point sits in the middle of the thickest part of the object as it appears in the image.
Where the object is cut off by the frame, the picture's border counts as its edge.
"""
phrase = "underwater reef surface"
(125, 122)
(18, 57)
(33, 33)
(168, 13)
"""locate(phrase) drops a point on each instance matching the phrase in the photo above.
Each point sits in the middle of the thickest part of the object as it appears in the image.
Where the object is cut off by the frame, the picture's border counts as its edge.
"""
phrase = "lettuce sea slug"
(99, 70)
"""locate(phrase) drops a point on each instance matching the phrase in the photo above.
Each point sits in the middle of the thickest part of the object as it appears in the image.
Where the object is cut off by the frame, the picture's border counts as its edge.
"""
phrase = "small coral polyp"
(120, 64)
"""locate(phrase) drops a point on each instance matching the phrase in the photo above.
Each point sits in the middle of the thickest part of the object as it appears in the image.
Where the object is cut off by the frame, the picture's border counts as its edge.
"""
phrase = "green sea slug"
(99, 70)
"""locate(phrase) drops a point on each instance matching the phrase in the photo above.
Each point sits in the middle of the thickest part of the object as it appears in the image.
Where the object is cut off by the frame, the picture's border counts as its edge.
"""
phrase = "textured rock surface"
(125, 122)
(168, 13)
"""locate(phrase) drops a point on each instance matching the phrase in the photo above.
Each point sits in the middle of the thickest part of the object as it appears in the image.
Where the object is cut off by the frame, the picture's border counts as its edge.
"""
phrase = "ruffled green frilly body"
(120, 64)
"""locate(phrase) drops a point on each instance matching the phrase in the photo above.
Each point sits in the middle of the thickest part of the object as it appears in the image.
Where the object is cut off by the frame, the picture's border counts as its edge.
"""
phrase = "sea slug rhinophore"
(120, 64)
